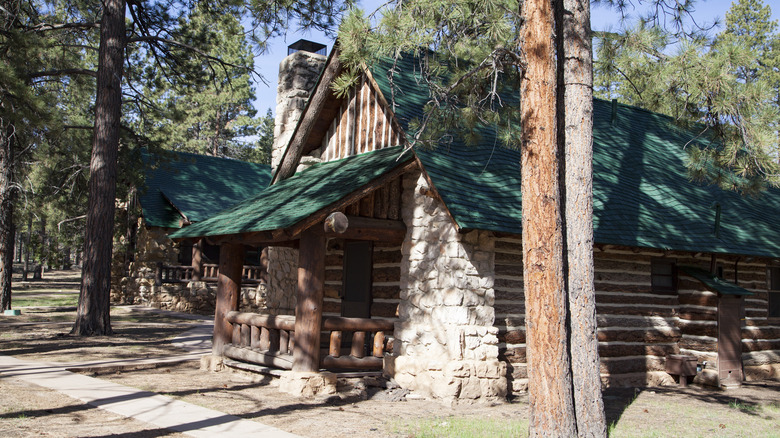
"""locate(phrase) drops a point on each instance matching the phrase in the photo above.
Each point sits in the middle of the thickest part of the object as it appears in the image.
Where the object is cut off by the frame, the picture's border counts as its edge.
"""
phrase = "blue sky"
(601, 19)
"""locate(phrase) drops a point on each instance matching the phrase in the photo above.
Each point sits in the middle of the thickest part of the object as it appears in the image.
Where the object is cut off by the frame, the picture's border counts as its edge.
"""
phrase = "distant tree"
(210, 111)
(92, 40)
(726, 87)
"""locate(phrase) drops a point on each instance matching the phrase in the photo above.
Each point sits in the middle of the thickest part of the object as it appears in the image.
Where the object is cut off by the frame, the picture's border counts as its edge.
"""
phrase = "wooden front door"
(358, 265)
(730, 310)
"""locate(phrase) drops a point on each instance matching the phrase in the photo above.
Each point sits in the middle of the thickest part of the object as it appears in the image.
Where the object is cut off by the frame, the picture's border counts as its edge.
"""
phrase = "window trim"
(655, 288)
(773, 290)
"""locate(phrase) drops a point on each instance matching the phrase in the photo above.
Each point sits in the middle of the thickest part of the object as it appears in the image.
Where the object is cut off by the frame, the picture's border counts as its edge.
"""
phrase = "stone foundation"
(308, 384)
(139, 287)
(447, 346)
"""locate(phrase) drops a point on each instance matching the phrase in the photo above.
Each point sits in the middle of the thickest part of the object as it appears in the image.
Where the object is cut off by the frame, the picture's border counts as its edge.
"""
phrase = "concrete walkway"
(145, 406)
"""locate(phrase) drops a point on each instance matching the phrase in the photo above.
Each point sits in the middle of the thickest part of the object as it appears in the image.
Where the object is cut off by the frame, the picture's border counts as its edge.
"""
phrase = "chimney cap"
(307, 46)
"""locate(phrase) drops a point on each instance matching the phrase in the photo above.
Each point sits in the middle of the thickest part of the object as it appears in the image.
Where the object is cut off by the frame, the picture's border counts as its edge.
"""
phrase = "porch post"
(197, 260)
(308, 310)
(231, 263)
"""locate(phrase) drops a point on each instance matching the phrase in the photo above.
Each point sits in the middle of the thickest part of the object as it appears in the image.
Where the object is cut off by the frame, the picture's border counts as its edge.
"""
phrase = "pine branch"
(63, 72)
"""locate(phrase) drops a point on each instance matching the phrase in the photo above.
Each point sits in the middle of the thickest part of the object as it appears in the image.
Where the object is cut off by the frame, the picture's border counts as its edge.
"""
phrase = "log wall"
(639, 327)
(386, 279)
(362, 124)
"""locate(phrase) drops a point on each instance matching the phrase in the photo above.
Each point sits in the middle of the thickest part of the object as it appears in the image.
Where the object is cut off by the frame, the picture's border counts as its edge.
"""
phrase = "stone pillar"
(447, 346)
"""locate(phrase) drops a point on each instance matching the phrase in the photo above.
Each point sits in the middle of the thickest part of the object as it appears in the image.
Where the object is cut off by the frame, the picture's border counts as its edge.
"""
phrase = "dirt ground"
(42, 334)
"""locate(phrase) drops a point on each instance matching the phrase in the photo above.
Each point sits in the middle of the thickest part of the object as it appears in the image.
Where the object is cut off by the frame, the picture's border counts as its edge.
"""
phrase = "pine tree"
(725, 87)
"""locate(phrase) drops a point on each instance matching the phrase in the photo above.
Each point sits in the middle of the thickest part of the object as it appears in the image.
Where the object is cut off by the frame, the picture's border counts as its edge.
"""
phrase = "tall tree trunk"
(92, 317)
(27, 246)
(575, 103)
(7, 233)
(549, 372)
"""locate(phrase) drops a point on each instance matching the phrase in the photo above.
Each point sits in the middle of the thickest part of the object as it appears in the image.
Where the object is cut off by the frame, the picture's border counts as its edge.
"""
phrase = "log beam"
(308, 311)
(361, 228)
(231, 263)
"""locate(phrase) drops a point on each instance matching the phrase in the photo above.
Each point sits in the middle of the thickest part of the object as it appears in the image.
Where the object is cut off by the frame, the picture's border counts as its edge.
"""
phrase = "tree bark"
(575, 103)
(27, 245)
(93, 317)
(549, 371)
(7, 232)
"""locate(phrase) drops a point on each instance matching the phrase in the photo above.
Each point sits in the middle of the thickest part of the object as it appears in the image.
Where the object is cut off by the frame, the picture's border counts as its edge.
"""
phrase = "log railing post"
(231, 261)
(335, 343)
(308, 310)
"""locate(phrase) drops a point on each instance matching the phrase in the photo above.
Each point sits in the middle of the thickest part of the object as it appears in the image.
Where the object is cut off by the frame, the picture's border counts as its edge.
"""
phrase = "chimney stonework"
(298, 74)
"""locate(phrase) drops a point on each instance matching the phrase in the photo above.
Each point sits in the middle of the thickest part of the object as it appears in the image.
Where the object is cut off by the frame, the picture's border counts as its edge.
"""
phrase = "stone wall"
(282, 280)
(140, 286)
(446, 344)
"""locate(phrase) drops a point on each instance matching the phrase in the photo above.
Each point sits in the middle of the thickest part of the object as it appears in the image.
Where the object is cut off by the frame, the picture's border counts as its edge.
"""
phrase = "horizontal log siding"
(638, 327)
(386, 279)
(361, 125)
(510, 310)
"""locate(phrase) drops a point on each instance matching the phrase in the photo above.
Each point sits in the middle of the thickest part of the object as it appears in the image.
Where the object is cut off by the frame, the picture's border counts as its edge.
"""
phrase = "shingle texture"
(196, 186)
(289, 201)
(642, 194)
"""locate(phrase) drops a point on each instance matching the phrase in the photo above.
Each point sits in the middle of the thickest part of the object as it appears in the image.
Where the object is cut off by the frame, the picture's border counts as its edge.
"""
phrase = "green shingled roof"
(289, 201)
(196, 186)
(642, 195)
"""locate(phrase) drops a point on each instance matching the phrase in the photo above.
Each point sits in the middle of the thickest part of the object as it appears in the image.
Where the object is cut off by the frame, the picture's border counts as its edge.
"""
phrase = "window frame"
(657, 288)
(773, 291)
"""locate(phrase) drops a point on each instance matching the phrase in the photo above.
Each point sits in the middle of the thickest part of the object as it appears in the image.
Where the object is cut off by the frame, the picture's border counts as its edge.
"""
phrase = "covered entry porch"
(355, 201)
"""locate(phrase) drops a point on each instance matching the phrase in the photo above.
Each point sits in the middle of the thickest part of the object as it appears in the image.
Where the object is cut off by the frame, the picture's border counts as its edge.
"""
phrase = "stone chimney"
(298, 74)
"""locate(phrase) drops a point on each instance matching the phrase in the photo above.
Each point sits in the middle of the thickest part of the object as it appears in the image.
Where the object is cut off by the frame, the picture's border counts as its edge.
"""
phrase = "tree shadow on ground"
(748, 399)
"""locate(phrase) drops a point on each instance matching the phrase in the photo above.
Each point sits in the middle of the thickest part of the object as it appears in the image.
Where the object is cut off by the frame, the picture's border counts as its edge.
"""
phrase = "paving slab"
(145, 406)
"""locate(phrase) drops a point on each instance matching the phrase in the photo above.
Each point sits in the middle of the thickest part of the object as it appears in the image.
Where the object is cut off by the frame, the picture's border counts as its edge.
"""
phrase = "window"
(774, 292)
(663, 275)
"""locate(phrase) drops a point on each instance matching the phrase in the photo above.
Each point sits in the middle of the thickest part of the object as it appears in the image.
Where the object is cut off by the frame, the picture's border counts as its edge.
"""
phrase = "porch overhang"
(282, 212)
(714, 283)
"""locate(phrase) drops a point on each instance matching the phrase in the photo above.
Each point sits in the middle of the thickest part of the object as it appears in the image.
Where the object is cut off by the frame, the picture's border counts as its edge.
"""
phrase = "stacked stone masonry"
(140, 286)
(447, 346)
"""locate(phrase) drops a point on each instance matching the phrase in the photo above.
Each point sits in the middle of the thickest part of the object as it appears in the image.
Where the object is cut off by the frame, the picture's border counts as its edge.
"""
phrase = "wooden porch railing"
(183, 274)
(269, 340)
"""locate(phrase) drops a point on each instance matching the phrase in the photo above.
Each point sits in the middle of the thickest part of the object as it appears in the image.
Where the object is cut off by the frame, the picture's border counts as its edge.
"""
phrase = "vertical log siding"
(362, 125)
(638, 327)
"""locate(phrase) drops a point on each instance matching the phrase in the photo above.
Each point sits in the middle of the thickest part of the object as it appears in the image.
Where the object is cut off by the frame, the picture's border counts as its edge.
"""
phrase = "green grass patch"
(55, 301)
(452, 427)
(744, 407)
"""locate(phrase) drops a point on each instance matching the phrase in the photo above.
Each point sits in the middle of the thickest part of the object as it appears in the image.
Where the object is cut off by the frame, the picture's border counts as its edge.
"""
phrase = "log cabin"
(181, 188)
(408, 260)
